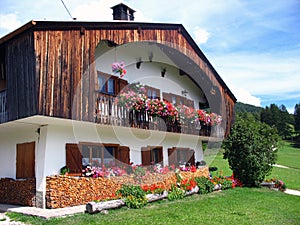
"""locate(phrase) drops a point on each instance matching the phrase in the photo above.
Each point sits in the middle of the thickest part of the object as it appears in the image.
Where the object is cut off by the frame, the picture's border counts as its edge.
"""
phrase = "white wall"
(10, 136)
(51, 141)
(149, 72)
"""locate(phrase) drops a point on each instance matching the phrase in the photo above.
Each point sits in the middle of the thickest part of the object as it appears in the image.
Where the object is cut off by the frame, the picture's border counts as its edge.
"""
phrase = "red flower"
(193, 169)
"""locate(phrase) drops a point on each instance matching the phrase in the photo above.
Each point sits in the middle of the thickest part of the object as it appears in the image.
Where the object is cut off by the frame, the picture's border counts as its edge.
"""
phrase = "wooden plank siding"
(21, 82)
(60, 80)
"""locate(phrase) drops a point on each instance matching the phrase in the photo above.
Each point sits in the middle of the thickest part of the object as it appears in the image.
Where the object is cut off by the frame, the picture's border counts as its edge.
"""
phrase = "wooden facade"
(50, 69)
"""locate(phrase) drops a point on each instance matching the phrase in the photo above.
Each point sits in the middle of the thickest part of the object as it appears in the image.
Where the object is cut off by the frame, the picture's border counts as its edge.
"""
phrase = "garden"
(209, 200)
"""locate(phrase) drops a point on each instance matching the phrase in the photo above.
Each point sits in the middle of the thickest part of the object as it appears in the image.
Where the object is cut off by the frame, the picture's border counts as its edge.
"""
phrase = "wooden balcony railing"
(3, 107)
(110, 113)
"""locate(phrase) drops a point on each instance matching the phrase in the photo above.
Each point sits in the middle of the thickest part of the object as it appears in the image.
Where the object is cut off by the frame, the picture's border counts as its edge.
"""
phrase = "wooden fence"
(107, 111)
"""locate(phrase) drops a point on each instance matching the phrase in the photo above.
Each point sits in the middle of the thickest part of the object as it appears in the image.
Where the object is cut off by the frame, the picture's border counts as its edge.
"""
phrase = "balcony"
(109, 111)
(3, 107)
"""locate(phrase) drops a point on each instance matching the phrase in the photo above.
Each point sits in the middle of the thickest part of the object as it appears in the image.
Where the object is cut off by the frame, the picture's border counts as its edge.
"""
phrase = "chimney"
(122, 12)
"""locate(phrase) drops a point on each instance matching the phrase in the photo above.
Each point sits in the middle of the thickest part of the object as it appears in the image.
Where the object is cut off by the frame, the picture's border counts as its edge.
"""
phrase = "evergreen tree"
(297, 117)
(279, 118)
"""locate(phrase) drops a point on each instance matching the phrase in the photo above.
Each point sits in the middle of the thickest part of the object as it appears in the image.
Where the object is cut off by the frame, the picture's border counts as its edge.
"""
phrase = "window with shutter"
(152, 155)
(179, 156)
(109, 84)
(152, 93)
(177, 99)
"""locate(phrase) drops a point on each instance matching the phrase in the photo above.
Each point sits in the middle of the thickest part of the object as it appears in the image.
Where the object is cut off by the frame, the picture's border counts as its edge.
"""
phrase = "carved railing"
(3, 107)
(107, 111)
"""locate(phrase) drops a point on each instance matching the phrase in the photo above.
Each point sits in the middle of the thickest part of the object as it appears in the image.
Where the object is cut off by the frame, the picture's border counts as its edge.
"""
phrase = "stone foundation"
(17, 192)
(64, 191)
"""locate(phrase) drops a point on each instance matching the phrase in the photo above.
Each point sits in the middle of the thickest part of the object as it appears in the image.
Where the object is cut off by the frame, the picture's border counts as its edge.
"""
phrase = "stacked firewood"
(64, 191)
(19, 192)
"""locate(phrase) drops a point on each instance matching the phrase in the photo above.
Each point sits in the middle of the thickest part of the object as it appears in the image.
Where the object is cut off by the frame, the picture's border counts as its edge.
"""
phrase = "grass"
(288, 155)
(216, 160)
(234, 206)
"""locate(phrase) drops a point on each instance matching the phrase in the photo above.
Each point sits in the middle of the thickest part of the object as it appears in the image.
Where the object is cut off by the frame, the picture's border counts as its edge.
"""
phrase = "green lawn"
(288, 155)
(234, 206)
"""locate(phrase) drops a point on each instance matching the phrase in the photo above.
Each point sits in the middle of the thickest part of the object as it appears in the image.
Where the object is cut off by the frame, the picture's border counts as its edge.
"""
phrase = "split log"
(94, 207)
(156, 197)
(193, 191)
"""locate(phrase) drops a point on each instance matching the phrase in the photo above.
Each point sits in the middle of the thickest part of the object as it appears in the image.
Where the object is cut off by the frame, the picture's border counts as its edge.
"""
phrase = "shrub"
(134, 196)
(205, 185)
(175, 193)
(251, 150)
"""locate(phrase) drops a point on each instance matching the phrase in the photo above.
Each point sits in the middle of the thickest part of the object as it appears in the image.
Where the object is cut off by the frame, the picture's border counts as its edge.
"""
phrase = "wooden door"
(25, 162)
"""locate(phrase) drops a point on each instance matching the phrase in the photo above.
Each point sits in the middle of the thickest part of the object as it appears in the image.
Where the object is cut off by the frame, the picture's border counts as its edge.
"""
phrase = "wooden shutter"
(146, 156)
(121, 85)
(73, 158)
(160, 154)
(122, 155)
(172, 156)
(25, 162)
(191, 156)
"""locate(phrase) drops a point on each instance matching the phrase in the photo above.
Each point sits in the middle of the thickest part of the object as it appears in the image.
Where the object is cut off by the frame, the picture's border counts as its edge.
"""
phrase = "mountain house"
(65, 99)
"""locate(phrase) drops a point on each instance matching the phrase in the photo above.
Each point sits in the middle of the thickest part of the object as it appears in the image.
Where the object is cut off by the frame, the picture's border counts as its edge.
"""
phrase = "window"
(95, 154)
(111, 86)
(108, 84)
(98, 154)
(152, 92)
(178, 156)
(152, 155)
(177, 99)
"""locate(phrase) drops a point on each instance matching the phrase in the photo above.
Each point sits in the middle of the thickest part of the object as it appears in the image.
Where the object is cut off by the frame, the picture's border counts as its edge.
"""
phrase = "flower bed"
(137, 196)
(64, 191)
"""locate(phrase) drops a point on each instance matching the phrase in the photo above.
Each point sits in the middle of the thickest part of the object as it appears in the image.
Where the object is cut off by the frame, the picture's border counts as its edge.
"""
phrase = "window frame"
(175, 153)
(106, 79)
(94, 147)
(152, 90)
(179, 100)
(148, 155)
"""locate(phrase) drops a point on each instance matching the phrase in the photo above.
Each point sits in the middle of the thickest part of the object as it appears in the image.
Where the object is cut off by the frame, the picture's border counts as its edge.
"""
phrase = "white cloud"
(94, 10)
(245, 96)
(260, 74)
(9, 21)
(201, 35)
(101, 11)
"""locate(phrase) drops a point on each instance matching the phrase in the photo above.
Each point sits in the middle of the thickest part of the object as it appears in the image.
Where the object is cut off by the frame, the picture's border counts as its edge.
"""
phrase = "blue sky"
(254, 45)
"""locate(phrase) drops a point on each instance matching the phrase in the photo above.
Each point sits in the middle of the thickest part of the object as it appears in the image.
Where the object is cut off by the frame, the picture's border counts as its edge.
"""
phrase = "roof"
(48, 25)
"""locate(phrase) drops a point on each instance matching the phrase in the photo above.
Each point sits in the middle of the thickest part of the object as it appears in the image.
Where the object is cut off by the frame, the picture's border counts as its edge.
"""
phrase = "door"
(25, 162)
